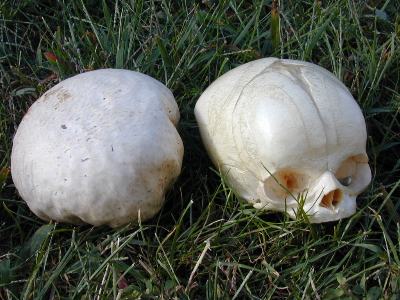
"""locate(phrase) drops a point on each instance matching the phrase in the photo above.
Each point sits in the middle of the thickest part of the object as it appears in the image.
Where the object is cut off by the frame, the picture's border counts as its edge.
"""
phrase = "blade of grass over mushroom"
(254, 254)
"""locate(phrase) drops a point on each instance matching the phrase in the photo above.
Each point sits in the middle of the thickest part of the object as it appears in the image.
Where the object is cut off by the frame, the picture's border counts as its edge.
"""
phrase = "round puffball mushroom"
(287, 134)
(98, 148)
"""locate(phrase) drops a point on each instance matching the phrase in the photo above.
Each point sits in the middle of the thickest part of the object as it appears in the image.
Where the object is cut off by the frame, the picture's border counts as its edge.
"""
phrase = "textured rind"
(273, 114)
(98, 148)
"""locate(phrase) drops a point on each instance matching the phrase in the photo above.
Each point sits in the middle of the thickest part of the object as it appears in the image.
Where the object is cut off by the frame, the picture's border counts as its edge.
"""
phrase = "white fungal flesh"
(98, 148)
(280, 130)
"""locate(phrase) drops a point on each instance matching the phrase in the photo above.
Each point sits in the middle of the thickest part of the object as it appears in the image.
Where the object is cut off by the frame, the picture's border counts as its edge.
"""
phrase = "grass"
(205, 243)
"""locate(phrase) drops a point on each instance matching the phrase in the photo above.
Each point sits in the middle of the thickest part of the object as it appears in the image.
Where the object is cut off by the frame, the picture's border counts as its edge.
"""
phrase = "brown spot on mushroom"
(63, 95)
(284, 183)
(46, 95)
(332, 199)
(290, 181)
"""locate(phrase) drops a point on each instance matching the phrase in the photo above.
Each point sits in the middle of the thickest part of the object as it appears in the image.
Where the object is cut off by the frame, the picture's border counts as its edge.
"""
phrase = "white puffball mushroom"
(286, 133)
(99, 148)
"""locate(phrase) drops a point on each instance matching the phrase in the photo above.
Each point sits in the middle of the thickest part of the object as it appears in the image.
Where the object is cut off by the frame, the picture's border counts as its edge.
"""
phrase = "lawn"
(205, 243)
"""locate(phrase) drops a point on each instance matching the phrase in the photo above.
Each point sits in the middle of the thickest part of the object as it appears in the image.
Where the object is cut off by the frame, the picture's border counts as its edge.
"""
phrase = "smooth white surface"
(98, 148)
(274, 115)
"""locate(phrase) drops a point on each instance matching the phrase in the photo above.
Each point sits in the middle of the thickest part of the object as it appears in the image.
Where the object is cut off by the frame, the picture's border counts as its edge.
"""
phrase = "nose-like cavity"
(332, 199)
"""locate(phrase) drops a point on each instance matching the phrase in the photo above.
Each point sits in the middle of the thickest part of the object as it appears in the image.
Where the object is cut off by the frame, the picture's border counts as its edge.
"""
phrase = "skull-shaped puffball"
(98, 148)
(285, 132)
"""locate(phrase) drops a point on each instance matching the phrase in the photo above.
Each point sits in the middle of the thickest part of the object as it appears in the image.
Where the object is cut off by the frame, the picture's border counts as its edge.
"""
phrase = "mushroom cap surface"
(98, 148)
(287, 136)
